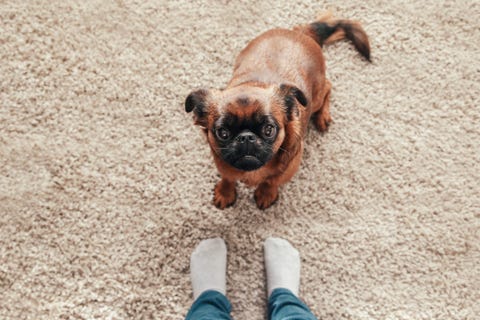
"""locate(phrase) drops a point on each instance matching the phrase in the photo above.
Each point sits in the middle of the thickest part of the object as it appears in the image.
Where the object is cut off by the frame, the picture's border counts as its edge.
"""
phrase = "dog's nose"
(246, 137)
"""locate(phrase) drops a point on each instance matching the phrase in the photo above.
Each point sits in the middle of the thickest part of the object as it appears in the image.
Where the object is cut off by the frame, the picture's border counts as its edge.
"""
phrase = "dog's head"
(247, 125)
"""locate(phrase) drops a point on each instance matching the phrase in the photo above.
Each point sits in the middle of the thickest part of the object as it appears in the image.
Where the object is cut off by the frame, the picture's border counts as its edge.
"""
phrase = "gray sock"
(282, 262)
(208, 267)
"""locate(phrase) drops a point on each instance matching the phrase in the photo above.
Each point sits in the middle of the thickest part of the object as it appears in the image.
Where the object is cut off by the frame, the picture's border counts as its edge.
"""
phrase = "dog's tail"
(328, 29)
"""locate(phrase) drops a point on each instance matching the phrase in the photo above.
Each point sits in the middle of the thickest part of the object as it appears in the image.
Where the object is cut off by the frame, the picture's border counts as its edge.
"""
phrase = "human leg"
(282, 262)
(284, 305)
(208, 275)
(210, 305)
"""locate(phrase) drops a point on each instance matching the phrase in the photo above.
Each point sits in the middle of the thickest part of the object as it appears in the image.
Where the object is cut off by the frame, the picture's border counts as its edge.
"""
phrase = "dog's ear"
(291, 97)
(197, 101)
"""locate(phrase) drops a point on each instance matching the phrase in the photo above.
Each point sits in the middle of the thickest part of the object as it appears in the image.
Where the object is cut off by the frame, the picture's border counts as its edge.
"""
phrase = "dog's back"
(295, 56)
(280, 56)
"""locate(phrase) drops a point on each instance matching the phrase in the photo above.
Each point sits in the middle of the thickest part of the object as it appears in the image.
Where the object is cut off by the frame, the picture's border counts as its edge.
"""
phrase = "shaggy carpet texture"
(106, 186)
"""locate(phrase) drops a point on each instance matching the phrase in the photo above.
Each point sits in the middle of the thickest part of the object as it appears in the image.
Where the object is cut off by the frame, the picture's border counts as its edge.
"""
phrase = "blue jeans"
(282, 305)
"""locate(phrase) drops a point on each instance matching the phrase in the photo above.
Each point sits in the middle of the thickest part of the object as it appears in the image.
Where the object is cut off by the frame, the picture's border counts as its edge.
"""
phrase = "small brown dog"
(255, 127)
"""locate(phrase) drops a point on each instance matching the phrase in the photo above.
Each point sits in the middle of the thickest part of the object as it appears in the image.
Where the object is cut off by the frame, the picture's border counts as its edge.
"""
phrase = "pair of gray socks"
(208, 266)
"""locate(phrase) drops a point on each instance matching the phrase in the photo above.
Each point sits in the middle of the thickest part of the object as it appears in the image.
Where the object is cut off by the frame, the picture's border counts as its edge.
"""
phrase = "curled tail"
(328, 29)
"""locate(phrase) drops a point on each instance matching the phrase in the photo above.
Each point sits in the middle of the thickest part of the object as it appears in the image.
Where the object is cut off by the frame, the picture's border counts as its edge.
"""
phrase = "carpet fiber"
(106, 186)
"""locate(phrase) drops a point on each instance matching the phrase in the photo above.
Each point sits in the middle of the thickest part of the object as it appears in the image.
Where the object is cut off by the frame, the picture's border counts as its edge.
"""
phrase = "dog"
(256, 125)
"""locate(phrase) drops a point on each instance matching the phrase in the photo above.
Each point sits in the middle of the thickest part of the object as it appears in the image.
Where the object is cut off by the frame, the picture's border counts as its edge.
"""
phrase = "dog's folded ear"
(197, 101)
(292, 95)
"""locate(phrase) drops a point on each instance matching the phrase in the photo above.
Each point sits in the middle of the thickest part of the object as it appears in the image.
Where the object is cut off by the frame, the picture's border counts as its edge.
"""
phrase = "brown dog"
(255, 127)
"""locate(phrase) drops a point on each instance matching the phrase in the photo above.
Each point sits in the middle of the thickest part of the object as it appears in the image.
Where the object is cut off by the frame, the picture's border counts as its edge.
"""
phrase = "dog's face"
(246, 126)
(245, 135)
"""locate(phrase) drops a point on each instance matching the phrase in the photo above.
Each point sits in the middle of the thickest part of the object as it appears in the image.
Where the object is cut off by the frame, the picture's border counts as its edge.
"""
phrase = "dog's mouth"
(248, 163)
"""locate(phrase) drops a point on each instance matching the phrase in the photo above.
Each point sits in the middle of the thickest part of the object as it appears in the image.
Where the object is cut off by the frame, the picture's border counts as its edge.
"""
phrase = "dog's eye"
(269, 131)
(223, 134)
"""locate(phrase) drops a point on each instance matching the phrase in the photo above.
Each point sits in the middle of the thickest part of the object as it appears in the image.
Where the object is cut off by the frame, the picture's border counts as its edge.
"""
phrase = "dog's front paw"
(266, 195)
(224, 194)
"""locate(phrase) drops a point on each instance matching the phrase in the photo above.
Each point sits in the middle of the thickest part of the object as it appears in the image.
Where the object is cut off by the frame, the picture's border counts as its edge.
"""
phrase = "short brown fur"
(264, 72)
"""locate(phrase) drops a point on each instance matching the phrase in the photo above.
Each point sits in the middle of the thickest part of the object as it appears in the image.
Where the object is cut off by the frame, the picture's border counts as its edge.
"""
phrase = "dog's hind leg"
(321, 116)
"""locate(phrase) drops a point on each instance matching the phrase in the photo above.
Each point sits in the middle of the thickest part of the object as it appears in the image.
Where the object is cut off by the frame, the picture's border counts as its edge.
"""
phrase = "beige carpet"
(106, 186)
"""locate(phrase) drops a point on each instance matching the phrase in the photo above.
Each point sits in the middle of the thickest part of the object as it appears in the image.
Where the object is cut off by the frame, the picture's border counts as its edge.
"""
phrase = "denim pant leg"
(284, 305)
(210, 305)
